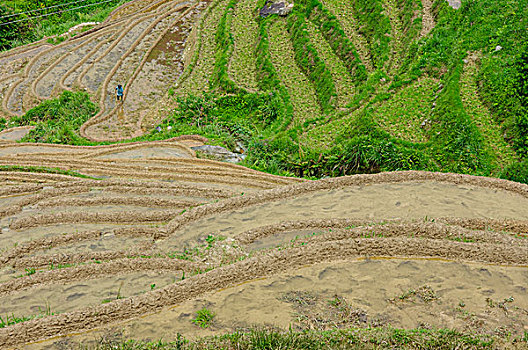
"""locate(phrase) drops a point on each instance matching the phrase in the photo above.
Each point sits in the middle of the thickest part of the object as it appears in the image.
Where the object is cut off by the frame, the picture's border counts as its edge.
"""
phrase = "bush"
(516, 171)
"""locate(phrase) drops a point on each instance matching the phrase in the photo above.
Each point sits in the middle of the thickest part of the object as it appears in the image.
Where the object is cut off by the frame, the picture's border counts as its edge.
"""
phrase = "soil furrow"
(334, 183)
(49, 82)
(97, 217)
(427, 230)
(133, 40)
(95, 270)
(145, 56)
(116, 200)
(65, 239)
(44, 261)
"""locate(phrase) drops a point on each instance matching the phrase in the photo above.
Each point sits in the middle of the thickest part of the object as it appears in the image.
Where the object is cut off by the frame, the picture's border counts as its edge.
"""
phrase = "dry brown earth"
(156, 234)
(109, 254)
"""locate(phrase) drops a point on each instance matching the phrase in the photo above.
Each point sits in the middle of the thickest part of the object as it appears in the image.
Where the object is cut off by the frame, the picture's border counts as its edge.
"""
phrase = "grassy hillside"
(374, 92)
(340, 88)
(34, 20)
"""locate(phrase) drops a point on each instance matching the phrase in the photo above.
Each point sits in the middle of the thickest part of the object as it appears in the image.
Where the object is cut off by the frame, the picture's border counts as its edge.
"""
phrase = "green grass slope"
(25, 21)
(339, 88)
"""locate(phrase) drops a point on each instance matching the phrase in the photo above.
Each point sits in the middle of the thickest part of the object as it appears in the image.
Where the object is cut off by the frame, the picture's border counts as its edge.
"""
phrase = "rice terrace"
(264, 174)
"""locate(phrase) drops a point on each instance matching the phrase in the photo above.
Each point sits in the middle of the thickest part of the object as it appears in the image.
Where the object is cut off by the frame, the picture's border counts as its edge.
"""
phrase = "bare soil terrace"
(159, 234)
(140, 46)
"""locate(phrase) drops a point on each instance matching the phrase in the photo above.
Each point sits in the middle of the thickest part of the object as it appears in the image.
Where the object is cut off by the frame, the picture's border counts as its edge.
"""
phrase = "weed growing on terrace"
(10, 320)
(28, 272)
(118, 295)
(425, 294)
(203, 318)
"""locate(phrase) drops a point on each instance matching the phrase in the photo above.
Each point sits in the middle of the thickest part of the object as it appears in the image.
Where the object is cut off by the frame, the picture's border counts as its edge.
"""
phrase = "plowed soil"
(371, 289)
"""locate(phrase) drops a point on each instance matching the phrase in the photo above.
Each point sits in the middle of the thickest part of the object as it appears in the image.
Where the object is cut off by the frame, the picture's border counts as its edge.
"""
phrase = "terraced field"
(177, 234)
(136, 240)
(101, 222)
(140, 46)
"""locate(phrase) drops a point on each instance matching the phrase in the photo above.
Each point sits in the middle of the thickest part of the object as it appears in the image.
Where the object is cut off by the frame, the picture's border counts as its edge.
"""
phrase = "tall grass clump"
(58, 120)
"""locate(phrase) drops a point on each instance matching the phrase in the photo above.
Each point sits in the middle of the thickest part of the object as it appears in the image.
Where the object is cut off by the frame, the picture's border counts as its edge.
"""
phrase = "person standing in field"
(119, 92)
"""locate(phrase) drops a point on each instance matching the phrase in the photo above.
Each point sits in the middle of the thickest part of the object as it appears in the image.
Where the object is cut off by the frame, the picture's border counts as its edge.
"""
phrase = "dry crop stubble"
(244, 28)
(343, 81)
(199, 77)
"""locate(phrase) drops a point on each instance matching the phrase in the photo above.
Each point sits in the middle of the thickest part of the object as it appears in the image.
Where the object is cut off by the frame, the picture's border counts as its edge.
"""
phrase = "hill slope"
(112, 228)
(334, 88)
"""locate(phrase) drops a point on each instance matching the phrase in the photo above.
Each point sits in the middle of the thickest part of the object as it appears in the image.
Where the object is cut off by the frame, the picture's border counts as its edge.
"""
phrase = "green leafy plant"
(203, 318)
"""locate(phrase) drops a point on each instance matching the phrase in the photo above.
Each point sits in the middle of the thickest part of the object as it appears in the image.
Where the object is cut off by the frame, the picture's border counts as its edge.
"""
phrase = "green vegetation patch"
(344, 83)
(406, 112)
(345, 16)
(354, 338)
(203, 318)
(493, 142)
(57, 120)
(312, 65)
(301, 91)
(224, 48)
(334, 35)
(200, 76)
(375, 26)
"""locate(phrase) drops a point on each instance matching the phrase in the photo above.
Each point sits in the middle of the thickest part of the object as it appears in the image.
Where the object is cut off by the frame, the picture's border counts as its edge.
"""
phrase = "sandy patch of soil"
(65, 297)
(414, 200)
(397, 292)
(15, 134)
(12, 238)
(148, 217)
(149, 152)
